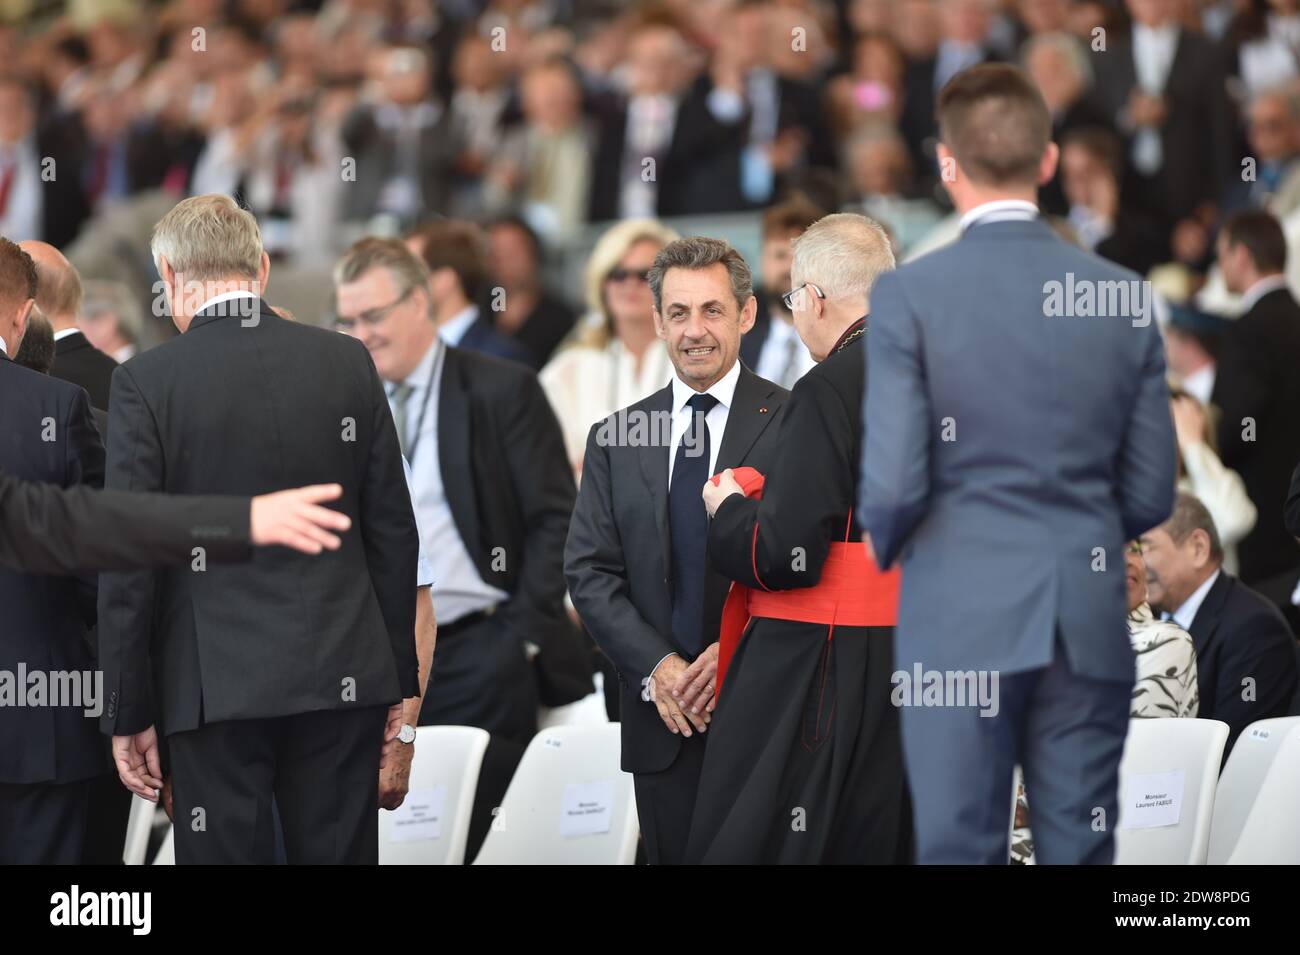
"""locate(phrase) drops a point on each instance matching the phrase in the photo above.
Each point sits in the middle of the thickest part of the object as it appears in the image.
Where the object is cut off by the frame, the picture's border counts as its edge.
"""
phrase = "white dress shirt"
(423, 571)
(3, 347)
(243, 310)
(63, 333)
(458, 590)
(724, 389)
(999, 210)
(22, 213)
(1264, 286)
(1153, 58)
(1200, 383)
(1185, 614)
(781, 347)
(649, 133)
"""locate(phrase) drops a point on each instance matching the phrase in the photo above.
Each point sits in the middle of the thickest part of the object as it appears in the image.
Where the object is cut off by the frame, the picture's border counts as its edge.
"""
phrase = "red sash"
(852, 591)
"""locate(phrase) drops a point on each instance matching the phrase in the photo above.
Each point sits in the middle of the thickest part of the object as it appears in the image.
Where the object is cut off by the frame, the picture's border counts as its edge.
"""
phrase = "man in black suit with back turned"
(1257, 391)
(635, 557)
(59, 296)
(281, 678)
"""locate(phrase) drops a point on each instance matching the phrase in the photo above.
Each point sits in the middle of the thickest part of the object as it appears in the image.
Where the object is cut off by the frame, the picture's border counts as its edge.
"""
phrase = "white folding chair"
(1270, 834)
(138, 827)
(1189, 750)
(1242, 780)
(590, 710)
(167, 851)
(568, 803)
(432, 826)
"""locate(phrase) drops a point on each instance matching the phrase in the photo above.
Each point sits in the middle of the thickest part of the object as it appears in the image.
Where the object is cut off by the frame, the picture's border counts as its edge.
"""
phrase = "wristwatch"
(406, 734)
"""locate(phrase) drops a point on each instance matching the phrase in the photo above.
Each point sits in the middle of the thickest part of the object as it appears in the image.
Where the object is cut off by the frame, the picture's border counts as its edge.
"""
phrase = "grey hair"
(700, 252)
(842, 254)
(208, 237)
(406, 268)
(1070, 49)
(1191, 515)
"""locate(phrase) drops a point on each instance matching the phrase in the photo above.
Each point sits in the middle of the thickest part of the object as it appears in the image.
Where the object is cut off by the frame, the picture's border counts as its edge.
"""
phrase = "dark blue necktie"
(689, 527)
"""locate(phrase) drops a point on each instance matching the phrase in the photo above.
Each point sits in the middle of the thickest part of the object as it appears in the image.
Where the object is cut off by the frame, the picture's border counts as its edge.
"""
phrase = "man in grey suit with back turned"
(1017, 435)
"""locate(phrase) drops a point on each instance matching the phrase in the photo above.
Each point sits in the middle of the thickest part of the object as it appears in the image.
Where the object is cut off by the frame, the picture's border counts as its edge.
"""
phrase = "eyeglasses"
(374, 316)
(788, 298)
(621, 274)
(1135, 547)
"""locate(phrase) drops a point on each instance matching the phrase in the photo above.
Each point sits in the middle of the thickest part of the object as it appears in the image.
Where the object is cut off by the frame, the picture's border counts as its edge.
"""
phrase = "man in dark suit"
(667, 148)
(49, 754)
(405, 146)
(492, 495)
(1164, 87)
(1257, 391)
(455, 253)
(59, 296)
(772, 348)
(281, 678)
(1245, 652)
(1013, 445)
(30, 206)
(636, 554)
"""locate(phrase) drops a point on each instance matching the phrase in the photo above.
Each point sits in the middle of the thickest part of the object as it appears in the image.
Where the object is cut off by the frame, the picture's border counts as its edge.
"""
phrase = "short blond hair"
(842, 254)
(610, 248)
(208, 237)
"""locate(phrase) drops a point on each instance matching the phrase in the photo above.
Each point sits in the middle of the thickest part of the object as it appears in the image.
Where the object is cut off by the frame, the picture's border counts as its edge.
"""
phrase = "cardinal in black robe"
(805, 760)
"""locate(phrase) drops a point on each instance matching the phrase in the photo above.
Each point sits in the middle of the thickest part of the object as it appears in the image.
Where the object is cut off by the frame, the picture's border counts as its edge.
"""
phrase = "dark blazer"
(376, 153)
(1258, 378)
(1240, 635)
(46, 529)
(1199, 136)
(248, 405)
(617, 559)
(1293, 504)
(751, 343)
(510, 491)
(46, 435)
(482, 337)
(78, 361)
(698, 173)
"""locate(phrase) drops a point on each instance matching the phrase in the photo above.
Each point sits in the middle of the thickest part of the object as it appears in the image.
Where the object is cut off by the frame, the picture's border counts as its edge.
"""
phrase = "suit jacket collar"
(232, 308)
(74, 342)
(747, 418)
(1206, 621)
(455, 444)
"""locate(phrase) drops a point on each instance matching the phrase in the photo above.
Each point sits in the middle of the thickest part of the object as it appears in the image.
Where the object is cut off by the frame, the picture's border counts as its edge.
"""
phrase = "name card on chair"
(587, 809)
(419, 818)
(1152, 800)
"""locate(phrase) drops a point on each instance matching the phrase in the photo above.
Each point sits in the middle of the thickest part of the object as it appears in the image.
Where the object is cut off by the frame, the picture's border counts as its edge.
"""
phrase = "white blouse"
(587, 384)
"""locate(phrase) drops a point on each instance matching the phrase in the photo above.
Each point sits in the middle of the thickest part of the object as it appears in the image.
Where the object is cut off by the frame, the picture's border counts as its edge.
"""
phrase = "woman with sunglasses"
(613, 358)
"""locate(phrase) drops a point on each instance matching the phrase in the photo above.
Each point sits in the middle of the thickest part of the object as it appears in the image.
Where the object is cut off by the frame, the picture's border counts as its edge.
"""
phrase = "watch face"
(407, 733)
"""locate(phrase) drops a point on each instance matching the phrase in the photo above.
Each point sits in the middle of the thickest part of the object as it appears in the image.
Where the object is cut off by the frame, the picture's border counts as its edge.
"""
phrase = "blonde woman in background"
(1201, 473)
(614, 358)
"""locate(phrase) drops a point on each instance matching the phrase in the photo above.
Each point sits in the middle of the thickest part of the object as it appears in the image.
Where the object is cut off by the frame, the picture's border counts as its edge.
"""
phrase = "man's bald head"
(58, 289)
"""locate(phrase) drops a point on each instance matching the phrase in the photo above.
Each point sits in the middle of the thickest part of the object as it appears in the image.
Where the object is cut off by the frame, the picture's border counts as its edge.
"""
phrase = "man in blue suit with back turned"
(1017, 436)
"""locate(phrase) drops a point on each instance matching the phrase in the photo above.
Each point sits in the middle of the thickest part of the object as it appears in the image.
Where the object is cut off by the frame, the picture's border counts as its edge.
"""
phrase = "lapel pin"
(762, 411)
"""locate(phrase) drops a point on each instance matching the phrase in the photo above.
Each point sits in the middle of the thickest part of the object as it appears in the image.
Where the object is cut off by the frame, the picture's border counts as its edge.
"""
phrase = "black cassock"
(805, 760)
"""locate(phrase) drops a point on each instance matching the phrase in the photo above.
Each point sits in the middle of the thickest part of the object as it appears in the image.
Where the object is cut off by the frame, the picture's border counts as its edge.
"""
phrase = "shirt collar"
(419, 377)
(1261, 288)
(225, 297)
(1143, 34)
(724, 389)
(65, 332)
(1000, 210)
(1185, 614)
(3, 347)
(454, 329)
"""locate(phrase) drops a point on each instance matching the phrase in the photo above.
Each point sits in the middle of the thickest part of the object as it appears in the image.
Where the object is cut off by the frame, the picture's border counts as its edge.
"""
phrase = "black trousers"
(322, 769)
(43, 823)
(110, 812)
(665, 802)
